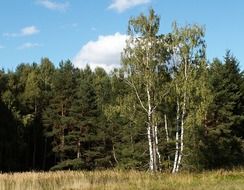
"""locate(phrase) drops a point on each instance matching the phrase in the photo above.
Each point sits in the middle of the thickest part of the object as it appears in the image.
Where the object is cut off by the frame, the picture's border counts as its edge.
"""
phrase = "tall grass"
(122, 180)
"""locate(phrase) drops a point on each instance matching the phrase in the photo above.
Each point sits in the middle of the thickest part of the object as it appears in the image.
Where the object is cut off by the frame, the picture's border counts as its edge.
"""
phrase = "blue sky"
(94, 31)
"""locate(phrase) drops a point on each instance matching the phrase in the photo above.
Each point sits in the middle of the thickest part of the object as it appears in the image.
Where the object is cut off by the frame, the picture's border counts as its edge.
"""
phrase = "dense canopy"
(166, 108)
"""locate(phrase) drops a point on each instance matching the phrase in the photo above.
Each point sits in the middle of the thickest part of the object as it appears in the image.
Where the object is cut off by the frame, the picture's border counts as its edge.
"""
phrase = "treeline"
(166, 108)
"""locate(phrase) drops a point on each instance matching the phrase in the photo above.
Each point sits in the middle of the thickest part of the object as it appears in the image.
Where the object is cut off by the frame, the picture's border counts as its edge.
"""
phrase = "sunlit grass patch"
(122, 180)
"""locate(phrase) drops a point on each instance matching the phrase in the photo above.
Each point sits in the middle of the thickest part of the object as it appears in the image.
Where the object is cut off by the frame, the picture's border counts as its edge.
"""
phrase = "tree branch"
(137, 95)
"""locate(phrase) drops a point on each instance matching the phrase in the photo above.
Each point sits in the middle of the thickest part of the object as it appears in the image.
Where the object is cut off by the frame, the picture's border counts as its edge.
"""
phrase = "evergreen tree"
(88, 135)
(126, 127)
(46, 72)
(224, 143)
(56, 116)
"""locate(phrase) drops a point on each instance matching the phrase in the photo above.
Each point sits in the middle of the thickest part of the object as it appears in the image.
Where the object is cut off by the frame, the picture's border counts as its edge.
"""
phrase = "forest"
(166, 108)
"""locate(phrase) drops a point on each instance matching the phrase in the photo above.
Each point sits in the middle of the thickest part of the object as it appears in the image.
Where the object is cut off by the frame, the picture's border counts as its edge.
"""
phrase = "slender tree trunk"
(155, 164)
(177, 137)
(151, 134)
(166, 128)
(78, 149)
(182, 133)
(183, 116)
(167, 132)
(150, 147)
(157, 150)
(114, 155)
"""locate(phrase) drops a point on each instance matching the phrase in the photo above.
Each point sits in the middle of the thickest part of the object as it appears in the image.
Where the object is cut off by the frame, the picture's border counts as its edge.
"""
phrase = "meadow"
(122, 180)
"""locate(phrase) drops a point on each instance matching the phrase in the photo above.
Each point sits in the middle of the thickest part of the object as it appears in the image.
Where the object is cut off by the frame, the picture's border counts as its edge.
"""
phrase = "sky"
(94, 31)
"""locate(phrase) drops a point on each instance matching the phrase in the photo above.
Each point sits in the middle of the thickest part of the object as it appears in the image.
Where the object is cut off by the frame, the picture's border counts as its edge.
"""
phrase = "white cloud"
(122, 5)
(26, 31)
(29, 45)
(104, 52)
(49, 4)
(30, 30)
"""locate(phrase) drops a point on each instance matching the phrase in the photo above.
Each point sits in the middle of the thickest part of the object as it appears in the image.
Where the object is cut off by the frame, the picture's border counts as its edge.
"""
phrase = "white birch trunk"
(177, 137)
(150, 132)
(166, 131)
(150, 147)
(182, 117)
(157, 150)
(155, 164)
(182, 134)
(78, 149)
(166, 128)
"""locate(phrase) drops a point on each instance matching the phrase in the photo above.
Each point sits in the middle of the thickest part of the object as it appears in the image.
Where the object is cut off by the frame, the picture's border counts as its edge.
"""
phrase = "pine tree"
(46, 72)
(103, 90)
(87, 135)
(126, 127)
(224, 143)
(56, 116)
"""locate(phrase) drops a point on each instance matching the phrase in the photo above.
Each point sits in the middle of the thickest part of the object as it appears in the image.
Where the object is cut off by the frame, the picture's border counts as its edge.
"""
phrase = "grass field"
(122, 180)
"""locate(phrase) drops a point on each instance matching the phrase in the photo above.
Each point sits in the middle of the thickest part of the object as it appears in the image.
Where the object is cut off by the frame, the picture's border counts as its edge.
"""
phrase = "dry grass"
(122, 180)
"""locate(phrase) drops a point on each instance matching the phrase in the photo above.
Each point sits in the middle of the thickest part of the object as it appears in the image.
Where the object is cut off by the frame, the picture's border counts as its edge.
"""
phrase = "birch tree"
(143, 59)
(190, 64)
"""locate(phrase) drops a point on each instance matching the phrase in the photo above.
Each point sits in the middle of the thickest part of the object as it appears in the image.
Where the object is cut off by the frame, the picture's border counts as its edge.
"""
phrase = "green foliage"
(70, 118)
(225, 116)
(73, 164)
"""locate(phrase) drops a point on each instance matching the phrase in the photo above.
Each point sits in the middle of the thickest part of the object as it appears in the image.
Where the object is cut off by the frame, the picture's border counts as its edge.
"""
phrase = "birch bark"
(177, 137)
(166, 128)
(157, 150)
(183, 116)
